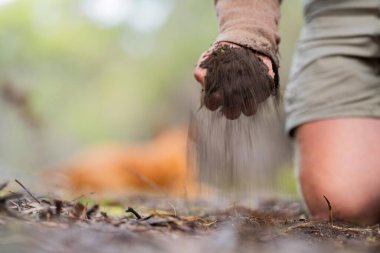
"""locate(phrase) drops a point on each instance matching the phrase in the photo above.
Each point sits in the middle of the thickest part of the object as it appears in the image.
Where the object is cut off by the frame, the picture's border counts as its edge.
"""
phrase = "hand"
(237, 82)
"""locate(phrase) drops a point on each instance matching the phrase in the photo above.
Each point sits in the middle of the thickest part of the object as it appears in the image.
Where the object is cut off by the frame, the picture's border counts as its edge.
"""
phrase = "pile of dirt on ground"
(30, 223)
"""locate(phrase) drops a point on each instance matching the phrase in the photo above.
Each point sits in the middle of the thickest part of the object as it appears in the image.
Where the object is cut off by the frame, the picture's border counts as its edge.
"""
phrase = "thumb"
(199, 75)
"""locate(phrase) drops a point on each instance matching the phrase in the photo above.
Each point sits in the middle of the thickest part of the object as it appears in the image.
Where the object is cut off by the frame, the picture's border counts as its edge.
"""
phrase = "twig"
(330, 211)
(173, 207)
(27, 191)
(301, 225)
(350, 229)
(131, 210)
(58, 207)
(3, 204)
(147, 217)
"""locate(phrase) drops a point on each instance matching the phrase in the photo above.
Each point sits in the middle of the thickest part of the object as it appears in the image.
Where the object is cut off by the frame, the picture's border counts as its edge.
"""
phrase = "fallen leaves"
(53, 221)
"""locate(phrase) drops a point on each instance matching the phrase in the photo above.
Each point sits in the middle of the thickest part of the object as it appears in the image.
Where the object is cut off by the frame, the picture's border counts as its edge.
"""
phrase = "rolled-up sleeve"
(250, 23)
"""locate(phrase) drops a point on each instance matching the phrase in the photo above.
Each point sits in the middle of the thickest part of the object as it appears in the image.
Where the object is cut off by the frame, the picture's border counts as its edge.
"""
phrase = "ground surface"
(47, 224)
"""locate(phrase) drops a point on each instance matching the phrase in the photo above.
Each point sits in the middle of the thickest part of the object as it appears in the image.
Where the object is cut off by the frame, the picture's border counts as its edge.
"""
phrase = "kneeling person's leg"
(334, 113)
(340, 158)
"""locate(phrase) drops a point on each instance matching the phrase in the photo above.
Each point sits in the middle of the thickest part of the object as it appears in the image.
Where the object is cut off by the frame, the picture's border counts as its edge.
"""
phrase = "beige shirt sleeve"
(250, 23)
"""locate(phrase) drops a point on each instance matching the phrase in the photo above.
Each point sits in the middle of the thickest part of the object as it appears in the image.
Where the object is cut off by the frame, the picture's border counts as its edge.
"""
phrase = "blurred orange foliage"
(158, 166)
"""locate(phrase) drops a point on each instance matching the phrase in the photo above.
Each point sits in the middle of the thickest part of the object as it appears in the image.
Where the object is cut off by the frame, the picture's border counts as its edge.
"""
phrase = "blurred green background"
(75, 73)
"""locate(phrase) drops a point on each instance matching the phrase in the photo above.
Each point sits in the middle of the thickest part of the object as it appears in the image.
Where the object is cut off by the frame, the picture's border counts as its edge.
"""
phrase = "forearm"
(250, 23)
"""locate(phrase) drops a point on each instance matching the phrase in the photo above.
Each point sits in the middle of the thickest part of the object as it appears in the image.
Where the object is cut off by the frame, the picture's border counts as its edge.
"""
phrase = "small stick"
(58, 207)
(3, 204)
(330, 210)
(131, 210)
(27, 191)
(173, 207)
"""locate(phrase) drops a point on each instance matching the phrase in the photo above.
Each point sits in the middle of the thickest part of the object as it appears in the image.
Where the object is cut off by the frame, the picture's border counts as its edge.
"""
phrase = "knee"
(349, 201)
(343, 166)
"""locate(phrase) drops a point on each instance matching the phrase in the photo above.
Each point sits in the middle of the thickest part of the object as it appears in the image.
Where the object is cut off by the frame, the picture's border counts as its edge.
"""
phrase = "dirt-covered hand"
(235, 79)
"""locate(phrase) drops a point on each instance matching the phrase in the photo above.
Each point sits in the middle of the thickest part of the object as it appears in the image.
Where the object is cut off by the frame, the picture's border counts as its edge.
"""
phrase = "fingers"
(249, 108)
(232, 113)
(213, 101)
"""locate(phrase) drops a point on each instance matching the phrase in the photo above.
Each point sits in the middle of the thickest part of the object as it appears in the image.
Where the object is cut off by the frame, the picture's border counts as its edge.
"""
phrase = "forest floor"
(30, 223)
